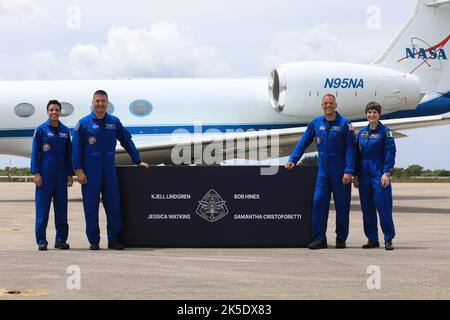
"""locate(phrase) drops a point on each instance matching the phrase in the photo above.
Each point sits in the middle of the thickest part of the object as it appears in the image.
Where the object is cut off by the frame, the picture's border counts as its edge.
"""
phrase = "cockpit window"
(24, 110)
(141, 108)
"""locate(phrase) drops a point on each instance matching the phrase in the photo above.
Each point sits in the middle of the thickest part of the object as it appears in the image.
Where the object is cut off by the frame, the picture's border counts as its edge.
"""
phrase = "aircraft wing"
(203, 149)
(256, 145)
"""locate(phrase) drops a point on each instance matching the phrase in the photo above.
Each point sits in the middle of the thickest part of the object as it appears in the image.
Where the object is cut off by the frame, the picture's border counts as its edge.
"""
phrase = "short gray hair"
(329, 95)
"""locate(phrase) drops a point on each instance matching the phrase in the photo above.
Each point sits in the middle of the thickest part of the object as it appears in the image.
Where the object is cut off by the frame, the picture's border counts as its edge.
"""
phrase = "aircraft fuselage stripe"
(156, 130)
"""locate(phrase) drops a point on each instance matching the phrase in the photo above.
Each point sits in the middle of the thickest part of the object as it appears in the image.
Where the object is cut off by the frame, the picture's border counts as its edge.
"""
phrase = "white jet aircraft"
(409, 80)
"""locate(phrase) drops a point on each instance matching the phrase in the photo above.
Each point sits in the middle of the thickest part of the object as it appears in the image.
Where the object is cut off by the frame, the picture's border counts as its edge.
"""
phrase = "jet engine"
(296, 89)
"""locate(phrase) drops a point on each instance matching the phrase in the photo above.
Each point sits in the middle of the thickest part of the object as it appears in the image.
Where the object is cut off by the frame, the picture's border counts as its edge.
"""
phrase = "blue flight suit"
(336, 147)
(375, 156)
(51, 158)
(94, 145)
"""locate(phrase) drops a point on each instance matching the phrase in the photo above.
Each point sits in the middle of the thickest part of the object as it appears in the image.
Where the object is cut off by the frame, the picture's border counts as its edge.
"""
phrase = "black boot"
(94, 246)
(62, 246)
(388, 245)
(115, 246)
(318, 244)
(341, 244)
(371, 244)
(42, 247)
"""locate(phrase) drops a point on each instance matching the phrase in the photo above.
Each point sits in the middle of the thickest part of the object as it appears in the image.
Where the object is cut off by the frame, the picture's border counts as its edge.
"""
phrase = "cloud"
(19, 13)
(164, 49)
(319, 43)
(42, 65)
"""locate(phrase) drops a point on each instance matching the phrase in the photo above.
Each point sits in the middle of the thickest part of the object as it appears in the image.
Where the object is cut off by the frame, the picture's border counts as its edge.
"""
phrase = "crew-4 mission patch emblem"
(212, 207)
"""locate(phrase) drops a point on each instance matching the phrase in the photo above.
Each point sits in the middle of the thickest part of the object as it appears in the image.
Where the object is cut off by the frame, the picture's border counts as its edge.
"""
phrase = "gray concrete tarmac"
(419, 268)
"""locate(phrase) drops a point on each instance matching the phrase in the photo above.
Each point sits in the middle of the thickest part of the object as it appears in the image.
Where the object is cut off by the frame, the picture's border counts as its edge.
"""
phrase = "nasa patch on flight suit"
(389, 134)
(364, 134)
(92, 140)
(50, 134)
(322, 128)
(46, 147)
(110, 126)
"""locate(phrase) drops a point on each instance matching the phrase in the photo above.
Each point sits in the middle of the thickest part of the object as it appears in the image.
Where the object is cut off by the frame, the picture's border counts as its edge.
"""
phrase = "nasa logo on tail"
(426, 53)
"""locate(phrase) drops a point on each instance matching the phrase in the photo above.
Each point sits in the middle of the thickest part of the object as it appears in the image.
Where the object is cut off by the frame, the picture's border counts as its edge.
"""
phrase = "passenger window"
(141, 108)
(24, 110)
(66, 109)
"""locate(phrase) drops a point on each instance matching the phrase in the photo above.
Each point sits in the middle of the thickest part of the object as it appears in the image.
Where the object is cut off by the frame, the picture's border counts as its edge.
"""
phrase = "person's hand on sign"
(289, 166)
(143, 165)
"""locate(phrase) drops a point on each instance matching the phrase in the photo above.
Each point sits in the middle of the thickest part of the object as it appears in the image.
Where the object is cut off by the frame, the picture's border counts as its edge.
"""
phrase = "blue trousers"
(101, 179)
(54, 186)
(326, 184)
(375, 198)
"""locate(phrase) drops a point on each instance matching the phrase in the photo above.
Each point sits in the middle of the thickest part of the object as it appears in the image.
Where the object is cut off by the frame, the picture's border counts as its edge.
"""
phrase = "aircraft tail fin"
(421, 46)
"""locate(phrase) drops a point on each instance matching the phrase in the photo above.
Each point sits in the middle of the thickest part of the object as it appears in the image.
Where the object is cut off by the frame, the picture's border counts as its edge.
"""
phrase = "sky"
(48, 39)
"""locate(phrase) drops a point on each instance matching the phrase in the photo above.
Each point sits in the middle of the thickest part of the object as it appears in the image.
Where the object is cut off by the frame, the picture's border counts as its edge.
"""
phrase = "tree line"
(13, 171)
(414, 170)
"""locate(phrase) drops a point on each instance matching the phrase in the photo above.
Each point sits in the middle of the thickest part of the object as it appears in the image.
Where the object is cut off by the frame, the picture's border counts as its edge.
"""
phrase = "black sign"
(227, 206)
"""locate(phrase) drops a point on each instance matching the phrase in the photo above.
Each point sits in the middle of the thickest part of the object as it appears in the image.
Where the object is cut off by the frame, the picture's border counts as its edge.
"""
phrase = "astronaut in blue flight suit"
(335, 139)
(374, 161)
(94, 144)
(51, 165)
